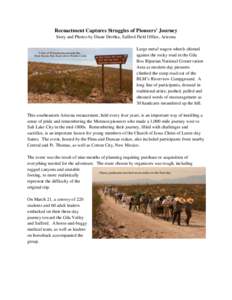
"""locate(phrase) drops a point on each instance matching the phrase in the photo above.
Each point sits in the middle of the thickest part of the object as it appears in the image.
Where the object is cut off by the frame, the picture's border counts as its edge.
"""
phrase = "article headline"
(116, 30)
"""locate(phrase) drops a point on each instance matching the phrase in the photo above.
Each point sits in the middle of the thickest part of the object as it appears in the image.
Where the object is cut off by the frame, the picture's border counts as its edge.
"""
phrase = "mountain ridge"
(201, 179)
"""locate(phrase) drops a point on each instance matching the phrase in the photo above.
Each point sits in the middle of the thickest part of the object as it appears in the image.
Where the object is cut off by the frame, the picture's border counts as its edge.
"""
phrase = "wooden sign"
(111, 59)
(116, 59)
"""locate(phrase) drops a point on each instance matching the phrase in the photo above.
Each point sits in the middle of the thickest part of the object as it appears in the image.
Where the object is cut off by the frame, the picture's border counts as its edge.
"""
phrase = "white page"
(111, 268)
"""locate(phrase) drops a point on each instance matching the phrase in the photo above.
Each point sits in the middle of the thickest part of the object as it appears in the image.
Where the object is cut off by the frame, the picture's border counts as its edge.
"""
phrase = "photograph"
(80, 75)
(168, 202)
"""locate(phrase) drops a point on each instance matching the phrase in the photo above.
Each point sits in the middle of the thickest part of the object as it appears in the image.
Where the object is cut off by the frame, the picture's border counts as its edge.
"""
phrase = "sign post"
(103, 78)
(118, 59)
(120, 77)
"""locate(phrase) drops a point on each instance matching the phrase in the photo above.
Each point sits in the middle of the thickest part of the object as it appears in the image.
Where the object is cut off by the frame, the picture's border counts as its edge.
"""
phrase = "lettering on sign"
(111, 59)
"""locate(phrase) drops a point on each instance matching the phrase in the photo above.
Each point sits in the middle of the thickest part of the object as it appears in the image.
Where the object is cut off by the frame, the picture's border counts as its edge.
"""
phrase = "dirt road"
(137, 225)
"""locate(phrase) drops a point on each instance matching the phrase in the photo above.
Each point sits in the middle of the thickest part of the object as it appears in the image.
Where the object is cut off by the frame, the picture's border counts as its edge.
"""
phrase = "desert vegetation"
(75, 83)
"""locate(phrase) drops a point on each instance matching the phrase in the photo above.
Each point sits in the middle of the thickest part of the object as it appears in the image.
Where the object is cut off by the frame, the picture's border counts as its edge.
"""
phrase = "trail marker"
(118, 59)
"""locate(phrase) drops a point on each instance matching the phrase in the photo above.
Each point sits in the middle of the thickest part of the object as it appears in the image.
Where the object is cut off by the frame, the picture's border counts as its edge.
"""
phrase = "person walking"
(188, 210)
(145, 204)
(131, 203)
(177, 209)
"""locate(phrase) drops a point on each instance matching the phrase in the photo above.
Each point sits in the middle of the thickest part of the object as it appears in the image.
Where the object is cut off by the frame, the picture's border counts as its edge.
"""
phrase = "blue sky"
(85, 57)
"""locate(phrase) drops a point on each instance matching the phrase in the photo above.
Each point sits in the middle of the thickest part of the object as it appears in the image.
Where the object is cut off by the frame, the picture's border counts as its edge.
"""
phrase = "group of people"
(167, 207)
(179, 204)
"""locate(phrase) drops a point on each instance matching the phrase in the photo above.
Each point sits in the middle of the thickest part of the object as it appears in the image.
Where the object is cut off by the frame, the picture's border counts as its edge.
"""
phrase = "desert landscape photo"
(171, 203)
(73, 76)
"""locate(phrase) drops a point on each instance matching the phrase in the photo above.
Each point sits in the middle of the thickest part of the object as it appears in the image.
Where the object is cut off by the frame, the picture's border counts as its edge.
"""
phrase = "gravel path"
(137, 225)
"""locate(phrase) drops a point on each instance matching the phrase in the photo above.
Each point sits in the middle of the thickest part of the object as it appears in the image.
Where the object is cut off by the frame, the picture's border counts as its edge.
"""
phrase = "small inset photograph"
(80, 75)
(154, 202)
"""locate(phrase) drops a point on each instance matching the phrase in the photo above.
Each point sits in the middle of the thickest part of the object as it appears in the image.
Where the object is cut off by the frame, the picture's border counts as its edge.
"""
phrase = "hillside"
(183, 180)
(64, 83)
